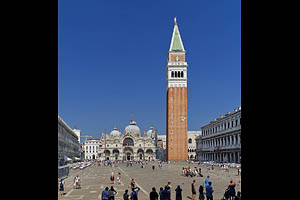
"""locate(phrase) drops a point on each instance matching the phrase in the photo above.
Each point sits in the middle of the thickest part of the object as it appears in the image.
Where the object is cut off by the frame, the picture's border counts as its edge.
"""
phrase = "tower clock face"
(182, 118)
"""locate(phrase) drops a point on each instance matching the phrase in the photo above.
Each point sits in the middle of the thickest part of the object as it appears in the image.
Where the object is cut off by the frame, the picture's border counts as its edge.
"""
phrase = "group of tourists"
(109, 194)
(112, 178)
(61, 184)
(189, 172)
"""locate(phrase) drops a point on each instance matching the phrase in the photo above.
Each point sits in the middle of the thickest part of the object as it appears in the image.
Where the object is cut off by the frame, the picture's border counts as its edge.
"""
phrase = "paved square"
(94, 179)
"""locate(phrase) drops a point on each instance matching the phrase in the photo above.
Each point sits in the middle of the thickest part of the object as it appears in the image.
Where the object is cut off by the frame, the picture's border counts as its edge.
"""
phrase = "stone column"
(234, 140)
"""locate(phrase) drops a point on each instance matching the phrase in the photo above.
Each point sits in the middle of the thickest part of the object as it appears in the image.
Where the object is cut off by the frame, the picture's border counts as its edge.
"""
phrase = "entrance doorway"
(93, 157)
(128, 155)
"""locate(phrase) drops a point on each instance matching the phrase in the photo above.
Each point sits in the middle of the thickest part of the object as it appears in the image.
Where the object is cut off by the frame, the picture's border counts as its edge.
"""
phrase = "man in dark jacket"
(153, 194)
(209, 190)
(165, 194)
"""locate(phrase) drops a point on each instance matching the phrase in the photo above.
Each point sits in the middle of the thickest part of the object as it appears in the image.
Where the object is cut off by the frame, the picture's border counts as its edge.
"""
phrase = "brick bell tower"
(176, 73)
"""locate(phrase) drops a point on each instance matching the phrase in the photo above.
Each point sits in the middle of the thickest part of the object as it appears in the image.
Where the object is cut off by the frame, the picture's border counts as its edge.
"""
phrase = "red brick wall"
(176, 108)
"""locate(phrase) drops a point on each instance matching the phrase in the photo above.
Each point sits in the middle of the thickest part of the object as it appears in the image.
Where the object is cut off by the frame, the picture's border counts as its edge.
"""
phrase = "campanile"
(176, 74)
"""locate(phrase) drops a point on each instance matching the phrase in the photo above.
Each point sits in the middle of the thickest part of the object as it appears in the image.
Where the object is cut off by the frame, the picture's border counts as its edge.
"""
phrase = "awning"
(77, 158)
(67, 158)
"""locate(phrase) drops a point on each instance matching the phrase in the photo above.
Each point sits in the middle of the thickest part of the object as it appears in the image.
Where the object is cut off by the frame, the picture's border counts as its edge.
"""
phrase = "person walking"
(126, 195)
(61, 187)
(153, 194)
(119, 178)
(111, 193)
(105, 194)
(201, 193)
(194, 190)
(209, 190)
(112, 178)
(153, 167)
(76, 182)
(231, 190)
(178, 193)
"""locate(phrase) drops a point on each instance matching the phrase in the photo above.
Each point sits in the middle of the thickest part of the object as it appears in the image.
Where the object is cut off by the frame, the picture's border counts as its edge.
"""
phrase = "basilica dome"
(152, 132)
(115, 133)
(132, 129)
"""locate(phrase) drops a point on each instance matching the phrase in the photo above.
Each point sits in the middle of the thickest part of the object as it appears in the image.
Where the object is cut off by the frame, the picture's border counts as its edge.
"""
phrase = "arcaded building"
(221, 139)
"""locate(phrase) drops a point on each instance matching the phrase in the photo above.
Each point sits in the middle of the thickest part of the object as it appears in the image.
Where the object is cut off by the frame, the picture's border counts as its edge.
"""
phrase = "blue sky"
(112, 57)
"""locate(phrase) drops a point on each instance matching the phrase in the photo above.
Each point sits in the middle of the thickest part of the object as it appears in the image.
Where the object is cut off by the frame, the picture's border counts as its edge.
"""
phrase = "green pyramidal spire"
(176, 42)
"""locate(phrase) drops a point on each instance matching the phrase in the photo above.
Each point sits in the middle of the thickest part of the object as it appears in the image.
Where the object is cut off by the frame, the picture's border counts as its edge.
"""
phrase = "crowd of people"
(205, 190)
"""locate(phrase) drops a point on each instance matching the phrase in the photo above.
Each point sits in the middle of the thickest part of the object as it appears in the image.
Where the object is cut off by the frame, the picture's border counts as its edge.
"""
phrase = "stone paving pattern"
(94, 179)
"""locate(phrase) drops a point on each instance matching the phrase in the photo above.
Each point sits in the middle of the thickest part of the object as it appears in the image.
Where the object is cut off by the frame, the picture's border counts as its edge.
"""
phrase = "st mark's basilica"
(129, 145)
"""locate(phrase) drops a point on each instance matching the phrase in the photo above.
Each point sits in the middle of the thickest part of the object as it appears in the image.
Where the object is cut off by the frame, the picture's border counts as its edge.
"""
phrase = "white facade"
(192, 143)
(92, 149)
(130, 145)
(68, 144)
(221, 139)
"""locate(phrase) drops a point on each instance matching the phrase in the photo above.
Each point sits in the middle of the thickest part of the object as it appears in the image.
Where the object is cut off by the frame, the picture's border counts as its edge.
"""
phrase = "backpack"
(61, 184)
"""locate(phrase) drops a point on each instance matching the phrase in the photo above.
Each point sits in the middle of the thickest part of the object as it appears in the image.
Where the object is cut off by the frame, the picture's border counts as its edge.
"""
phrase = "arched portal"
(116, 154)
(149, 154)
(107, 154)
(128, 142)
(140, 154)
(128, 152)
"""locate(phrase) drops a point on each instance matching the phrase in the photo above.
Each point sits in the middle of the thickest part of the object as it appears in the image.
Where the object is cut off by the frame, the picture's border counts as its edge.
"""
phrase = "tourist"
(105, 194)
(169, 188)
(111, 193)
(77, 182)
(165, 194)
(206, 181)
(201, 193)
(61, 187)
(207, 170)
(112, 178)
(153, 167)
(132, 183)
(125, 195)
(231, 190)
(193, 190)
(178, 193)
(119, 178)
(134, 193)
(183, 172)
(199, 170)
(209, 190)
(153, 194)
(160, 193)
